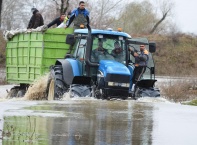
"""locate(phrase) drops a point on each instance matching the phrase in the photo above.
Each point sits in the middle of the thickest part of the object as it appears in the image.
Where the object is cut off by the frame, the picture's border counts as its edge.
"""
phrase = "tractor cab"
(104, 45)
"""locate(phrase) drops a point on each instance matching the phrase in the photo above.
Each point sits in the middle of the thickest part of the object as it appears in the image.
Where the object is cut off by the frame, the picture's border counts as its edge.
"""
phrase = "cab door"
(79, 52)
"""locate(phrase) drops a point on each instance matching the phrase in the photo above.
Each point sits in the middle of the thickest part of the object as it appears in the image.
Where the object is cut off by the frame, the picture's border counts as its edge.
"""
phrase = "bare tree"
(137, 17)
(12, 14)
(62, 6)
(103, 12)
(16, 14)
(144, 17)
(165, 8)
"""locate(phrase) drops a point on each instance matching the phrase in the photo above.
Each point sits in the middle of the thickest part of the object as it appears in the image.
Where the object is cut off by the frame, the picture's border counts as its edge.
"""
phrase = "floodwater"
(98, 122)
(76, 121)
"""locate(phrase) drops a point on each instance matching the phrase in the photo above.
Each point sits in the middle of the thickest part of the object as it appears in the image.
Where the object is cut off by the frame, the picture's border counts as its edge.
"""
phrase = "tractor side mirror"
(70, 39)
(152, 47)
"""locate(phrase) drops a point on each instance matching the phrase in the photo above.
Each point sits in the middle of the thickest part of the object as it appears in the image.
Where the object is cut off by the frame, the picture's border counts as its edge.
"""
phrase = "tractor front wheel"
(56, 86)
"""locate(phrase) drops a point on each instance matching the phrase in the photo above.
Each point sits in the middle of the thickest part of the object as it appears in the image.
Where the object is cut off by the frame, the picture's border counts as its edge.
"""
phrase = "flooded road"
(97, 122)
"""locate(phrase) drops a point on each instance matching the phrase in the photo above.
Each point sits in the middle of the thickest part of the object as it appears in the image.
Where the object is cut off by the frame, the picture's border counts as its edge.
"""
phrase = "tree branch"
(159, 22)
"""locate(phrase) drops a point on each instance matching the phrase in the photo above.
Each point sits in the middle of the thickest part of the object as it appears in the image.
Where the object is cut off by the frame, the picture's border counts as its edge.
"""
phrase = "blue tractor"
(100, 65)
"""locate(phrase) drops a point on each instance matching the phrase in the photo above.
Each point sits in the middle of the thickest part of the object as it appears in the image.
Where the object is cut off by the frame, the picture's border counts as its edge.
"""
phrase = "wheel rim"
(51, 90)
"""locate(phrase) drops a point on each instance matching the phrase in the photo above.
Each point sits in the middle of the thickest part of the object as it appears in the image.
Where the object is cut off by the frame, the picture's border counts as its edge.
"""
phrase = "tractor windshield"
(108, 47)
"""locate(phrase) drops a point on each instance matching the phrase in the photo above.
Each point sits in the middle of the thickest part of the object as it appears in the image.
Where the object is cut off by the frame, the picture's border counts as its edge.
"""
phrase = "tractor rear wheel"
(56, 86)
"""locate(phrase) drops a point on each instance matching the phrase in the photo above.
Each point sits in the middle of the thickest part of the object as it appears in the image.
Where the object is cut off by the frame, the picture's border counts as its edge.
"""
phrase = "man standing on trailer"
(79, 16)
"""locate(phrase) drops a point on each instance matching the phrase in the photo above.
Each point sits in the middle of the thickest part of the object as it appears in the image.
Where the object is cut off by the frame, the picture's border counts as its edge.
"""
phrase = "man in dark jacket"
(57, 20)
(36, 19)
(141, 60)
(79, 16)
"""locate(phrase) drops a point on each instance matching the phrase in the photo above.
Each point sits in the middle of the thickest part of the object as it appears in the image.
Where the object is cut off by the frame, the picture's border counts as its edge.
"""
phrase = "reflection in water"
(142, 124)
(85, 122)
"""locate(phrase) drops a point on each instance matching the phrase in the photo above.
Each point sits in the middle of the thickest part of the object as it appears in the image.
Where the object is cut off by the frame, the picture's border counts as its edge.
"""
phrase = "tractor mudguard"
(145, 88)
(71, 68)
(147, 92)
(82, 80)
(146, 83)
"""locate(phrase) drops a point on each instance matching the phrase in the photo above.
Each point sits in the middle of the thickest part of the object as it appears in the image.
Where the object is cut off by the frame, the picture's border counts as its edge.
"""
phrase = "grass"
(194, 103)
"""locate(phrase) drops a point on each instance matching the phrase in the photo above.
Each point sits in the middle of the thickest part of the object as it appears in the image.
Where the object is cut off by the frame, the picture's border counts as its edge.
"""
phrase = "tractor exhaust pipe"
(88, 51)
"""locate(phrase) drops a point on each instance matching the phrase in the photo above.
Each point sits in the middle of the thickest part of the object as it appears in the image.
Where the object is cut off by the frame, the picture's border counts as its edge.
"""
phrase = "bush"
(194, 103)
(179, 91)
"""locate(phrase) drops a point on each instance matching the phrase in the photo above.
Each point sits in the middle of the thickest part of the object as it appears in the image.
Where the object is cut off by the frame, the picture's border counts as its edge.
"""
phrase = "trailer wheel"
(56, 86)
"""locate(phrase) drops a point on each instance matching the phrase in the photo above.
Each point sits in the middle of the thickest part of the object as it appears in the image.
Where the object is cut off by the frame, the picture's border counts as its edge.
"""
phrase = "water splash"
(37, 91)
(66, 96)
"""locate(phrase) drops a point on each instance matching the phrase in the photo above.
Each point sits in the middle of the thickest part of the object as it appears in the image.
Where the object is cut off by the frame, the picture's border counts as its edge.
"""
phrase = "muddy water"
(99, 122)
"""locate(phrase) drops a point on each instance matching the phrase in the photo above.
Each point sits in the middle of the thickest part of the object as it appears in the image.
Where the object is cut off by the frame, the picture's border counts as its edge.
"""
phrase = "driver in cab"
(100, 49)
(100, 53)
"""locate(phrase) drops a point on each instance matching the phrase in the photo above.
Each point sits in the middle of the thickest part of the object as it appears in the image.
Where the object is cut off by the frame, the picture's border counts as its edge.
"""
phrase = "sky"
(185, 15)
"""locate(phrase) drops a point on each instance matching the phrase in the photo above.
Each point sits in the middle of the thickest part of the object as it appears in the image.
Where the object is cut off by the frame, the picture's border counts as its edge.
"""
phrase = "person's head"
(33, 10)
(117, 48)
(116, 44)
(100, 44)
(62, 16)
(142, 47)
(81, 5)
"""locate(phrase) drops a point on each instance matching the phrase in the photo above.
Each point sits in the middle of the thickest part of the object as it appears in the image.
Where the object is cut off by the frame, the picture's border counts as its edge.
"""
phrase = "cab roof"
(97, 31)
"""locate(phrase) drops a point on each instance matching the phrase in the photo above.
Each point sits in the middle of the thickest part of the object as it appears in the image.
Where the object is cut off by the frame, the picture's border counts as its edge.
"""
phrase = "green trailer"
(29, 55)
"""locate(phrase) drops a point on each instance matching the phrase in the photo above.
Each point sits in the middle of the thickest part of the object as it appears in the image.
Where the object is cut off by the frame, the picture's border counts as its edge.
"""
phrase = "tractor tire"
(56, 86)
(80, 91)
(101, 94)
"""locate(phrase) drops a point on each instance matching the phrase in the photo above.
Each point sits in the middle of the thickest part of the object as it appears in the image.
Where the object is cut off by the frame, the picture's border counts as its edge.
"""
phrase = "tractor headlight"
(125, 84)
(118, 84)
(110, 83)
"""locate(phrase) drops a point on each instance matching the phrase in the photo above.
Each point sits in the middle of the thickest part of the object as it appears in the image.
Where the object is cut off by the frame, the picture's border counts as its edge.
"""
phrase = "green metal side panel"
(55, 46)
(29, 55)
